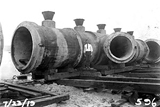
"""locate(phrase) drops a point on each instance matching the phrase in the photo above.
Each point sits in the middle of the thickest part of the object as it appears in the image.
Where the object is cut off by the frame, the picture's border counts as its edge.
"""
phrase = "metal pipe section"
(154, 51)
(37, 48)
(142, 50)
(1, 44)
(48, 16)
(120, 47)
(101, 28)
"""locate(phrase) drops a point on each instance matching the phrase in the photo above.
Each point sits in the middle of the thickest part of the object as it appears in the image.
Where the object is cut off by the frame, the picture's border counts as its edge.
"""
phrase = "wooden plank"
(120, 70)
(141, 75)
(127, 79)
(25, 91)
(62, 75)
(147, 70)
(50, 100)
(90, 73)
(56, 76)
(3, 88)
(29, 88)
(1, 85)
(138, 86)
(39, 97)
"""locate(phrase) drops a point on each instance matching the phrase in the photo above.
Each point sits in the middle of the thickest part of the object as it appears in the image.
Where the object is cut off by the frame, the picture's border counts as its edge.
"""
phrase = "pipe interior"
(22, 46)
(154, 50)
(121, 47)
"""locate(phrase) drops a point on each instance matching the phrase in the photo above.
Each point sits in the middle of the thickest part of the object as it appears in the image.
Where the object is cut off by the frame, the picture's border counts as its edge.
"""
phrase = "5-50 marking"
(19, 103)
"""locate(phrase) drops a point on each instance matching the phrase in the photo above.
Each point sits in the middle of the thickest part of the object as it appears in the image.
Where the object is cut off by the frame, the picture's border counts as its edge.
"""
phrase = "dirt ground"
(79, 97)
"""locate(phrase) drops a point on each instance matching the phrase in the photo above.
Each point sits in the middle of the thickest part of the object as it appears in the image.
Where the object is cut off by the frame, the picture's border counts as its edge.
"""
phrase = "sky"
(140, 16)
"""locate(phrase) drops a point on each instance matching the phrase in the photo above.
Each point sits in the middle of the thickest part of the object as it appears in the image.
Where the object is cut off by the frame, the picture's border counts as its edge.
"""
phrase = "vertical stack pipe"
(1, 43)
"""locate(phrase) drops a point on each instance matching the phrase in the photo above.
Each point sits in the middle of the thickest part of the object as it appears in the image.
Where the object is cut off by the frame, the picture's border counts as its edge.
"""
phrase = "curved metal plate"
(1, 44)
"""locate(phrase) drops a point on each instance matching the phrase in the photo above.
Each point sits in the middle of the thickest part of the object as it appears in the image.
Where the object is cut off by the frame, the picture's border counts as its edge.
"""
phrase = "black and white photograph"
(79, 53)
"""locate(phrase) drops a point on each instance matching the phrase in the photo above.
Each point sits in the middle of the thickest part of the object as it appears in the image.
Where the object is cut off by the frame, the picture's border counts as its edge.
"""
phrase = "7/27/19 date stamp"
(25, 103)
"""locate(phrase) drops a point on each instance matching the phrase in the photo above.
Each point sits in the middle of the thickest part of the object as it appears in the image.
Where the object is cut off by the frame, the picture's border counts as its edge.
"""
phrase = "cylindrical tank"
(154, 51)
(37, 47)
(1, 43)
(41, 47)
(120, 46)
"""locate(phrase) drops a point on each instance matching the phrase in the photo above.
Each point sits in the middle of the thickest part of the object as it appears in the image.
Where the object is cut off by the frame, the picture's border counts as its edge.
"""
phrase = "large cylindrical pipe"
(154, 51)
(37, 47)
(1, 43)
(142, 51)
(120, 47)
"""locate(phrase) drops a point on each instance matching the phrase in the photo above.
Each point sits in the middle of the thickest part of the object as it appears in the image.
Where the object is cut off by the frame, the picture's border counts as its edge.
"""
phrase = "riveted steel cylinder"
(120, 47)
(1, 44)
(37, 47)
(142, 51)
(154, 51)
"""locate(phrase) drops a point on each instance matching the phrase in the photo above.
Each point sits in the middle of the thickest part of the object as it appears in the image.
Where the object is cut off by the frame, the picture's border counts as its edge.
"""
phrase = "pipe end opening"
(154, 51)
(21, 49)
(121, 47)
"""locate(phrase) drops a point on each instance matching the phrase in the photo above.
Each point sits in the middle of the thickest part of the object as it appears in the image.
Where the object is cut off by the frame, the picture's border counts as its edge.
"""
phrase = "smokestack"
(117, 29)
(79, 22)
(48, 16)
(101, 28)
(79, 25)
(130, 32)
